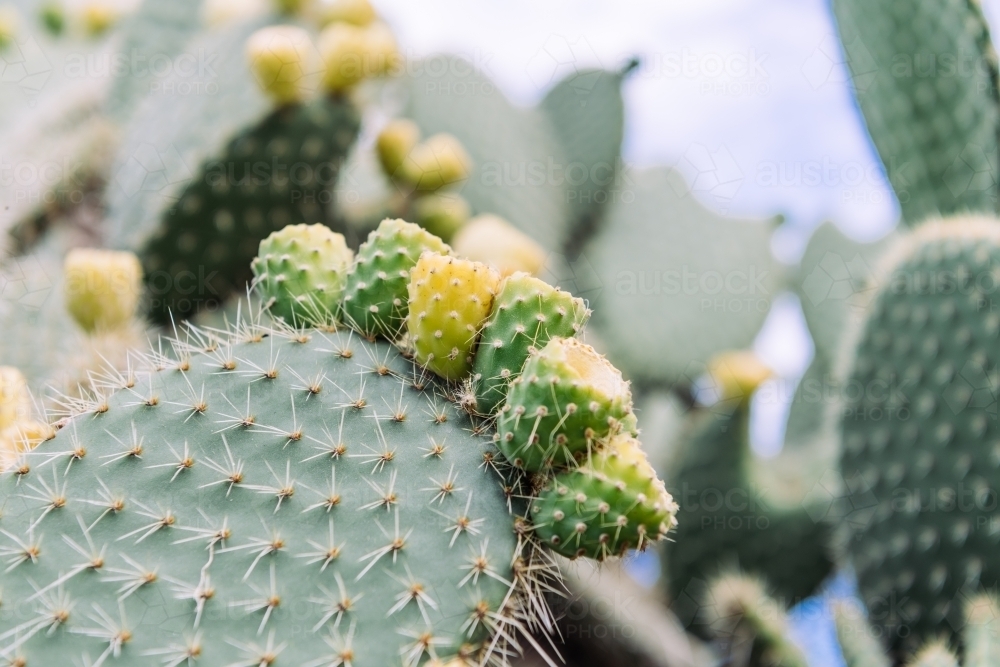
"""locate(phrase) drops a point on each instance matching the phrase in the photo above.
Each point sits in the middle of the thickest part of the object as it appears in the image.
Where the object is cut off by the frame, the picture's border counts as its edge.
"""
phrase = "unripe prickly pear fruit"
(737, 374)
(281, 58)
(442, 214)
(492, 240)
(449, 299)
(376, 296)
(395, 142)
(567, 399)
(526, 314)
(438, 161)
(301, 271)
(611, 503)
(351, 53)
(102, 287)
(15, 402)
(356, 12)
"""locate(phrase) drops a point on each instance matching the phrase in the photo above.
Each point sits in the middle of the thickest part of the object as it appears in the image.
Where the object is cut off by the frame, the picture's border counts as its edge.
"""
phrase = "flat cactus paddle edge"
(936, 132)
(294, 497)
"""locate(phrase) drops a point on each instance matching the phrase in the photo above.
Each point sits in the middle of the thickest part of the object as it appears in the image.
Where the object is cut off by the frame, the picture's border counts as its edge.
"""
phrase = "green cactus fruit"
(449, 299)
(275, 498)
(102, 287)
(567, 399)
(269, 176)
(281, 59)
(612, 503)
(301, 271)
(739, 610)
(351, 54)
(857, 644)
(731, 512)
(442, 214)
(438, 161)
(394, 143)
(53, 18)
(917, 441)
(526, 314)
(375, 298)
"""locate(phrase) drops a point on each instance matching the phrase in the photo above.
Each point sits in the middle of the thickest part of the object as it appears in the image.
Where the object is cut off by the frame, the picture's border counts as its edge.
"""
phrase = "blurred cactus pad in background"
(308, 358)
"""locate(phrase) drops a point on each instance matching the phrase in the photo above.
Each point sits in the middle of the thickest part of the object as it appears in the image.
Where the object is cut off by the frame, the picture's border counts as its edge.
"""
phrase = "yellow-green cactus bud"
(356, 12)
(98, 17)
(102, 287)
(394, 143)
(449, 301)
(737, 375)
(282, 59)
(439, 161)
(8, 26)
(492, 240)
(442, 215)
(351, 53)
(15, 402)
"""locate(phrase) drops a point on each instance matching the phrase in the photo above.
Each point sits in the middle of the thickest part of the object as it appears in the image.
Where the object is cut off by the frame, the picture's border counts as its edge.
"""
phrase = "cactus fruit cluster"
(277, 494)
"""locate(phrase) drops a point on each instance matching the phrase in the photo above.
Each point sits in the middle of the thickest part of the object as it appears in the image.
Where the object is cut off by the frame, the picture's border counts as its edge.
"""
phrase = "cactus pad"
(269, 176)
(567, 398)
(375, 299)
(300, 272)
(449, 301)
(917, 444)
(526, 314)
(279, 498)
(611, 504)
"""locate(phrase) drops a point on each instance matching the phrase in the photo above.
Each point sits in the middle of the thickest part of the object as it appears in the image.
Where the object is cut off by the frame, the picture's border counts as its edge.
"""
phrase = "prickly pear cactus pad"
(279, 497)
(918, 447)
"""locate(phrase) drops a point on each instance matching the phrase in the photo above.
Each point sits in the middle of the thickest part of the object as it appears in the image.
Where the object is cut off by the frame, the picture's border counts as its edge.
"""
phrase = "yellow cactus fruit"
(738, 374)
(282, 58)
(355, 12)
(15, 402)
(492, 240)
(102, 287)
(351, 53)
(439, 161)
(98, 17)
(395, 142)
(449, 299)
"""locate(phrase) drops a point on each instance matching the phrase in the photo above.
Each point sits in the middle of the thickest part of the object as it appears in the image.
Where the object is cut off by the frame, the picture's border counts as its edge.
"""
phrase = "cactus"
(935, 130)
(931, 346)
(728, 512)
(376, 296)
(738, 609)
(608, 505)
(442, 214)
(526, 313)
(436, 162)
(492, 240)
(567, 399)
(449, 299)
(300, 272)
(248, 485)
(980, 629)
